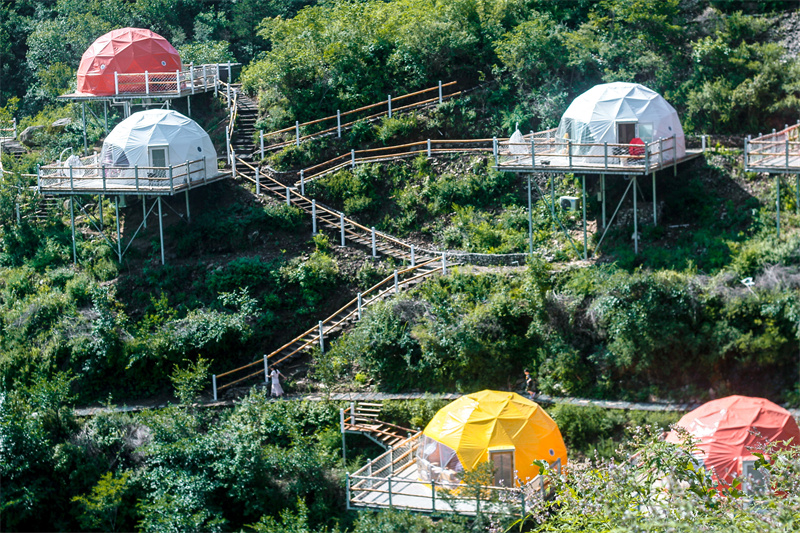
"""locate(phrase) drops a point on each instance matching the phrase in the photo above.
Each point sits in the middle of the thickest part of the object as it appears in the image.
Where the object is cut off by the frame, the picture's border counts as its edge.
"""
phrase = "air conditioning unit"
(569, 203)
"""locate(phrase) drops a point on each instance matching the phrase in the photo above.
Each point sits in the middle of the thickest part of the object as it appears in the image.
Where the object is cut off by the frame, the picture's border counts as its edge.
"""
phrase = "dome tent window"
(158, 159)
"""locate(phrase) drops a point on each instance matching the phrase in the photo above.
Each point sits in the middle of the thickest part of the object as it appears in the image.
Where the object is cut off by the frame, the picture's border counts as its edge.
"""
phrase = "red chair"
(638, 149)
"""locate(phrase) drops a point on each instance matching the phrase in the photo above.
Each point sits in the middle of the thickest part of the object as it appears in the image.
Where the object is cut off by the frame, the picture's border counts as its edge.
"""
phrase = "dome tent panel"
(615, 113)
(724, 431)
(161, 138)
(126, 51)
(491, 425)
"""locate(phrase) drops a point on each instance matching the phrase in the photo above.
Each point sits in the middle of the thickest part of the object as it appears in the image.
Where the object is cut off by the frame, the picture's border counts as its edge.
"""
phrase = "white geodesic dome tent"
(618, 112)
(160, 138)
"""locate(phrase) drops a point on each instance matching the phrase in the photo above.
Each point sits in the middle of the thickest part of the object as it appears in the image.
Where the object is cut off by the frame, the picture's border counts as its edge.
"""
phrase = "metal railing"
(91, 175)
(543, 150)
(778, 151)
(8, 131)
(385, 482)
(316, 335)
(388, 104)
(429, 147)
(198, 78)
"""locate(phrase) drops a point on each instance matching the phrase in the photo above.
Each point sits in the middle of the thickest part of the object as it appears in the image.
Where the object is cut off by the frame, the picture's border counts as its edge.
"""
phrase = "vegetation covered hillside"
(674, 322)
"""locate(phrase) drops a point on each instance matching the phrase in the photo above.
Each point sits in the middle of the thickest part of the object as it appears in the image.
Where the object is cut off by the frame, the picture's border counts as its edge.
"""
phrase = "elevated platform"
(93, 178)
(391, 480)
(161, 85)
(559, 156)
(775, 153)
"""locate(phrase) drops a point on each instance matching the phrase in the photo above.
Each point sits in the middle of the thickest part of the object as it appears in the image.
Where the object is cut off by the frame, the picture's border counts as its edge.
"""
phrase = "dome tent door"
(625, 132)
(158, 157)
(503, 466)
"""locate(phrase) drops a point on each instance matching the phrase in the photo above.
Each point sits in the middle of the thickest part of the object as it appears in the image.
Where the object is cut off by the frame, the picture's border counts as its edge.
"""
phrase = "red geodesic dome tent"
(127, 51)
(723, 429)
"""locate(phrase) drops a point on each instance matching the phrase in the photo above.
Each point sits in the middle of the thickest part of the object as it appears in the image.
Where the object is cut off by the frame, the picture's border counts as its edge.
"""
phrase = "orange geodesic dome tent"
(723, 428)
(126, 51)
(502, 427)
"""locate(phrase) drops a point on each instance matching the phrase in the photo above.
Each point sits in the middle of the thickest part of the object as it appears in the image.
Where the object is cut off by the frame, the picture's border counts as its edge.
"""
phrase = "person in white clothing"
(276, 384)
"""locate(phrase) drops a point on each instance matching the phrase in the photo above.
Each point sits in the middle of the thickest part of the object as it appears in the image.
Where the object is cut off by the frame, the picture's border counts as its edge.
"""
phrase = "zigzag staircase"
(362, 419)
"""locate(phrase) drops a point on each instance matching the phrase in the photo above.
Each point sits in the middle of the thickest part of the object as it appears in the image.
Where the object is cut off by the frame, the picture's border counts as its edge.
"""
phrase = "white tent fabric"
(595, 116)
(180, 139)
(517, 144)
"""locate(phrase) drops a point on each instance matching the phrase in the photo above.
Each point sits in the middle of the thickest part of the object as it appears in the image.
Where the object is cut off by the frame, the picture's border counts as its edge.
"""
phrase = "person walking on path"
(529, 388)
(277, 390)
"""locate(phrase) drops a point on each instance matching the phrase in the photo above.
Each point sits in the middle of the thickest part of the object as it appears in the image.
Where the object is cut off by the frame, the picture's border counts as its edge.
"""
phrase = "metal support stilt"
(603, 197)
(338, 124)
(266, 369)
(530, 219)
(321, 338)
(374, 253)
(144, 211)
(119, 233)
(288, 196)
(161, 230)
(359, 306)
(85, 140)
(313, 217)
(214, 386)
(635, 220)
(105, 114)
(583, 205)
(341, 226)
(100, 208)
(189, 105)
(412, 255)
(302, 182)
(778, 203)
(444, 264)
(72, 224)
(797, 194)
(258, 182)
(553, 199)
(655, 210)
(188, 213)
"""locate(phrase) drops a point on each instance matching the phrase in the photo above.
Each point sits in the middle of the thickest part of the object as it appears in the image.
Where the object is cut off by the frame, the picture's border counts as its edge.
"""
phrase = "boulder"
(27, 136)
(60, 123)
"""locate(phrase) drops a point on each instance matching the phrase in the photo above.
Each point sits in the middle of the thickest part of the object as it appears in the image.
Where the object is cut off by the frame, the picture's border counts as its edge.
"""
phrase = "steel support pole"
(338, 124)
(258, 182)
(161, 230)
(72, 224)
(603, 197)
(105, 114)
(85, 140)
(189, 104)
(359, 306)
(440, 91)
(297, 131)
(321, 338)
(797, 194)
(412, 256)
(530, 219)
(635, 220)
(266, 369)
(144, 211)
(372, 230)
(288, 196)
(553, 199)
(188, 213)
(778, 203)
(655, 210)
(444, 264)
(119, 234)
(396, 283)
(341, 226)
(302, 182)
(100, 206)
(261, 142)
(389, 99)
(583, 205)
(214, 385)
(313, 217)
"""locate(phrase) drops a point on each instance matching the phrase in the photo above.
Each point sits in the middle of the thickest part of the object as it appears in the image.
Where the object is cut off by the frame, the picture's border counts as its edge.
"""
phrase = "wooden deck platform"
(776, 153)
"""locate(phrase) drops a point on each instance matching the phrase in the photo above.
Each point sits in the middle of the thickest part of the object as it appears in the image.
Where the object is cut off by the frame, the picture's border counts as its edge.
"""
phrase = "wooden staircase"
(362, 419)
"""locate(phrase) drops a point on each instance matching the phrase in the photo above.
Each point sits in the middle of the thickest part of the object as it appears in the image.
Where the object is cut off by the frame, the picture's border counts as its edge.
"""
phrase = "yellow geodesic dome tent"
(502, 427)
